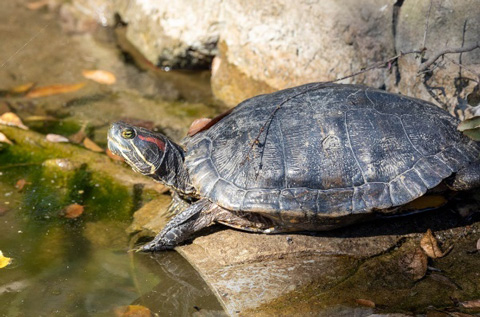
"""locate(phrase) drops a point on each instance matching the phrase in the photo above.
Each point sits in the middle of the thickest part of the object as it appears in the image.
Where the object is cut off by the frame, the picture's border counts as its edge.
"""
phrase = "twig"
(377, 65)
(426, 25)
(466, 68)
(441, 53)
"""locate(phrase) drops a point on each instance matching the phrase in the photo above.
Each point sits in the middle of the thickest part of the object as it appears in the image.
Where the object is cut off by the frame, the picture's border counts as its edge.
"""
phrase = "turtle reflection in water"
(313, 157)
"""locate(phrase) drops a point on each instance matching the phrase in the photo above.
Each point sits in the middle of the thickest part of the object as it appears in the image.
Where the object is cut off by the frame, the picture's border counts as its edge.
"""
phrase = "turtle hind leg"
(466, 178)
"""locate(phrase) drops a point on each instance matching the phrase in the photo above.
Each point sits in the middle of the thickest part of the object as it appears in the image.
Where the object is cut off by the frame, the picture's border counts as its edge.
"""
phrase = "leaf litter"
(4, 261)
(92, 146)
(73, 211)
(430, 246)
(414, 264)
(100, 76)
(46, 91)
(4, 139)
(11, 119)
(20, 184)
(56, 138)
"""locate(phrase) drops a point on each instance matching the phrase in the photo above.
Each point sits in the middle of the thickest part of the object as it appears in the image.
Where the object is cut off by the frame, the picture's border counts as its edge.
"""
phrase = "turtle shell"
(327, 150)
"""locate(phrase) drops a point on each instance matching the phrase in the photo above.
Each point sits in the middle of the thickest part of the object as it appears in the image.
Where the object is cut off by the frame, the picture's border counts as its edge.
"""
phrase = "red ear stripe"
(159, 143)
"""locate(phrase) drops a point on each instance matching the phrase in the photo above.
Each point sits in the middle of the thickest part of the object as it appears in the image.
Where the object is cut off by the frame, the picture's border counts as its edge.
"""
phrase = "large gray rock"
(451, 24)
(174, 34)
(287, 43)
(260, 47)
(265, 46)
(171, 34)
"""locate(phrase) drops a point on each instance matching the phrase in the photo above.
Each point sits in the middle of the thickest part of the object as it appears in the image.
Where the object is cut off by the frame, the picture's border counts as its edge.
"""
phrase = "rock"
(284, 43)
(451, 25)
(173, 34)
(247, 270)
(150, 218)
(262, 47)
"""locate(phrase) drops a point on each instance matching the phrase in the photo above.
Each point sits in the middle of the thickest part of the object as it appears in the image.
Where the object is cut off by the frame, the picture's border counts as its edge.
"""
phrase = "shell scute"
(328, 150)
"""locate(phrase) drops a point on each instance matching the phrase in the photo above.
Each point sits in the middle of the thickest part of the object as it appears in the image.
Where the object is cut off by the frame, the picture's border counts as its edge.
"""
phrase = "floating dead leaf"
(36, 5)
(414, 264)
(73, 211)
(3, 210)
(430, 245)
(11, 119)
(100, 76)
(4, 261)
(133, 311)
(365, 302)
(21, 89)
(20, 184)
(92, 146)
(54, 90)
(56, 138)
(471, 303)
(4, 139)
(114, 156)
(198, 125)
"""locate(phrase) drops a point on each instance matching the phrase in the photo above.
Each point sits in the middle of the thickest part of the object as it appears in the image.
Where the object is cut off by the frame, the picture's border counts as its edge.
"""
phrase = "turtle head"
(142, 149)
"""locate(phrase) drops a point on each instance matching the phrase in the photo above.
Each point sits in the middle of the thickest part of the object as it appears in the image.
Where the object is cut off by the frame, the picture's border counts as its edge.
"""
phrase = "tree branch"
(376, 65)
(423, 67)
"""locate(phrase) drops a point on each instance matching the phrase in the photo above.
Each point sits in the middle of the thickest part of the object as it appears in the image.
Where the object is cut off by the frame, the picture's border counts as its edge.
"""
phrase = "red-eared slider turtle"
(313, 157)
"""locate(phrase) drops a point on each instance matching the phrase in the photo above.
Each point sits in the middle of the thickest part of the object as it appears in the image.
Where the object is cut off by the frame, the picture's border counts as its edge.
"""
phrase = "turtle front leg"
(196, 217)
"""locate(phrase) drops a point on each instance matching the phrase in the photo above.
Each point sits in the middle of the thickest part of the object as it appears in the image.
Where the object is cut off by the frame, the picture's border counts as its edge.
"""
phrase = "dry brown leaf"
(21, 89)
(4, 261)
(56, 138)
(11, 119)
(4, 139)
(365, 302)
(54, 90)
(414, 264)
(100, 76)
(20, 184)
(430, 245)
(40, 118)
(78, 137)
(133, 311)
(3, 210)
(444, 280)
(471, 303)
(92, 146)
(198, 125)
(37, 4)
(73, 211)
(478, 244)
(114, 156)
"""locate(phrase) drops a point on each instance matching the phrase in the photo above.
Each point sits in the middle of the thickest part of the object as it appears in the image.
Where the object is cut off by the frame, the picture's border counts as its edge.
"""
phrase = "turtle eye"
(128, 133)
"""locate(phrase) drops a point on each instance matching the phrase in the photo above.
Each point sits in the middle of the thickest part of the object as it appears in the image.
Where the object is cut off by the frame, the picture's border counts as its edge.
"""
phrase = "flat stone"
(247, 270)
